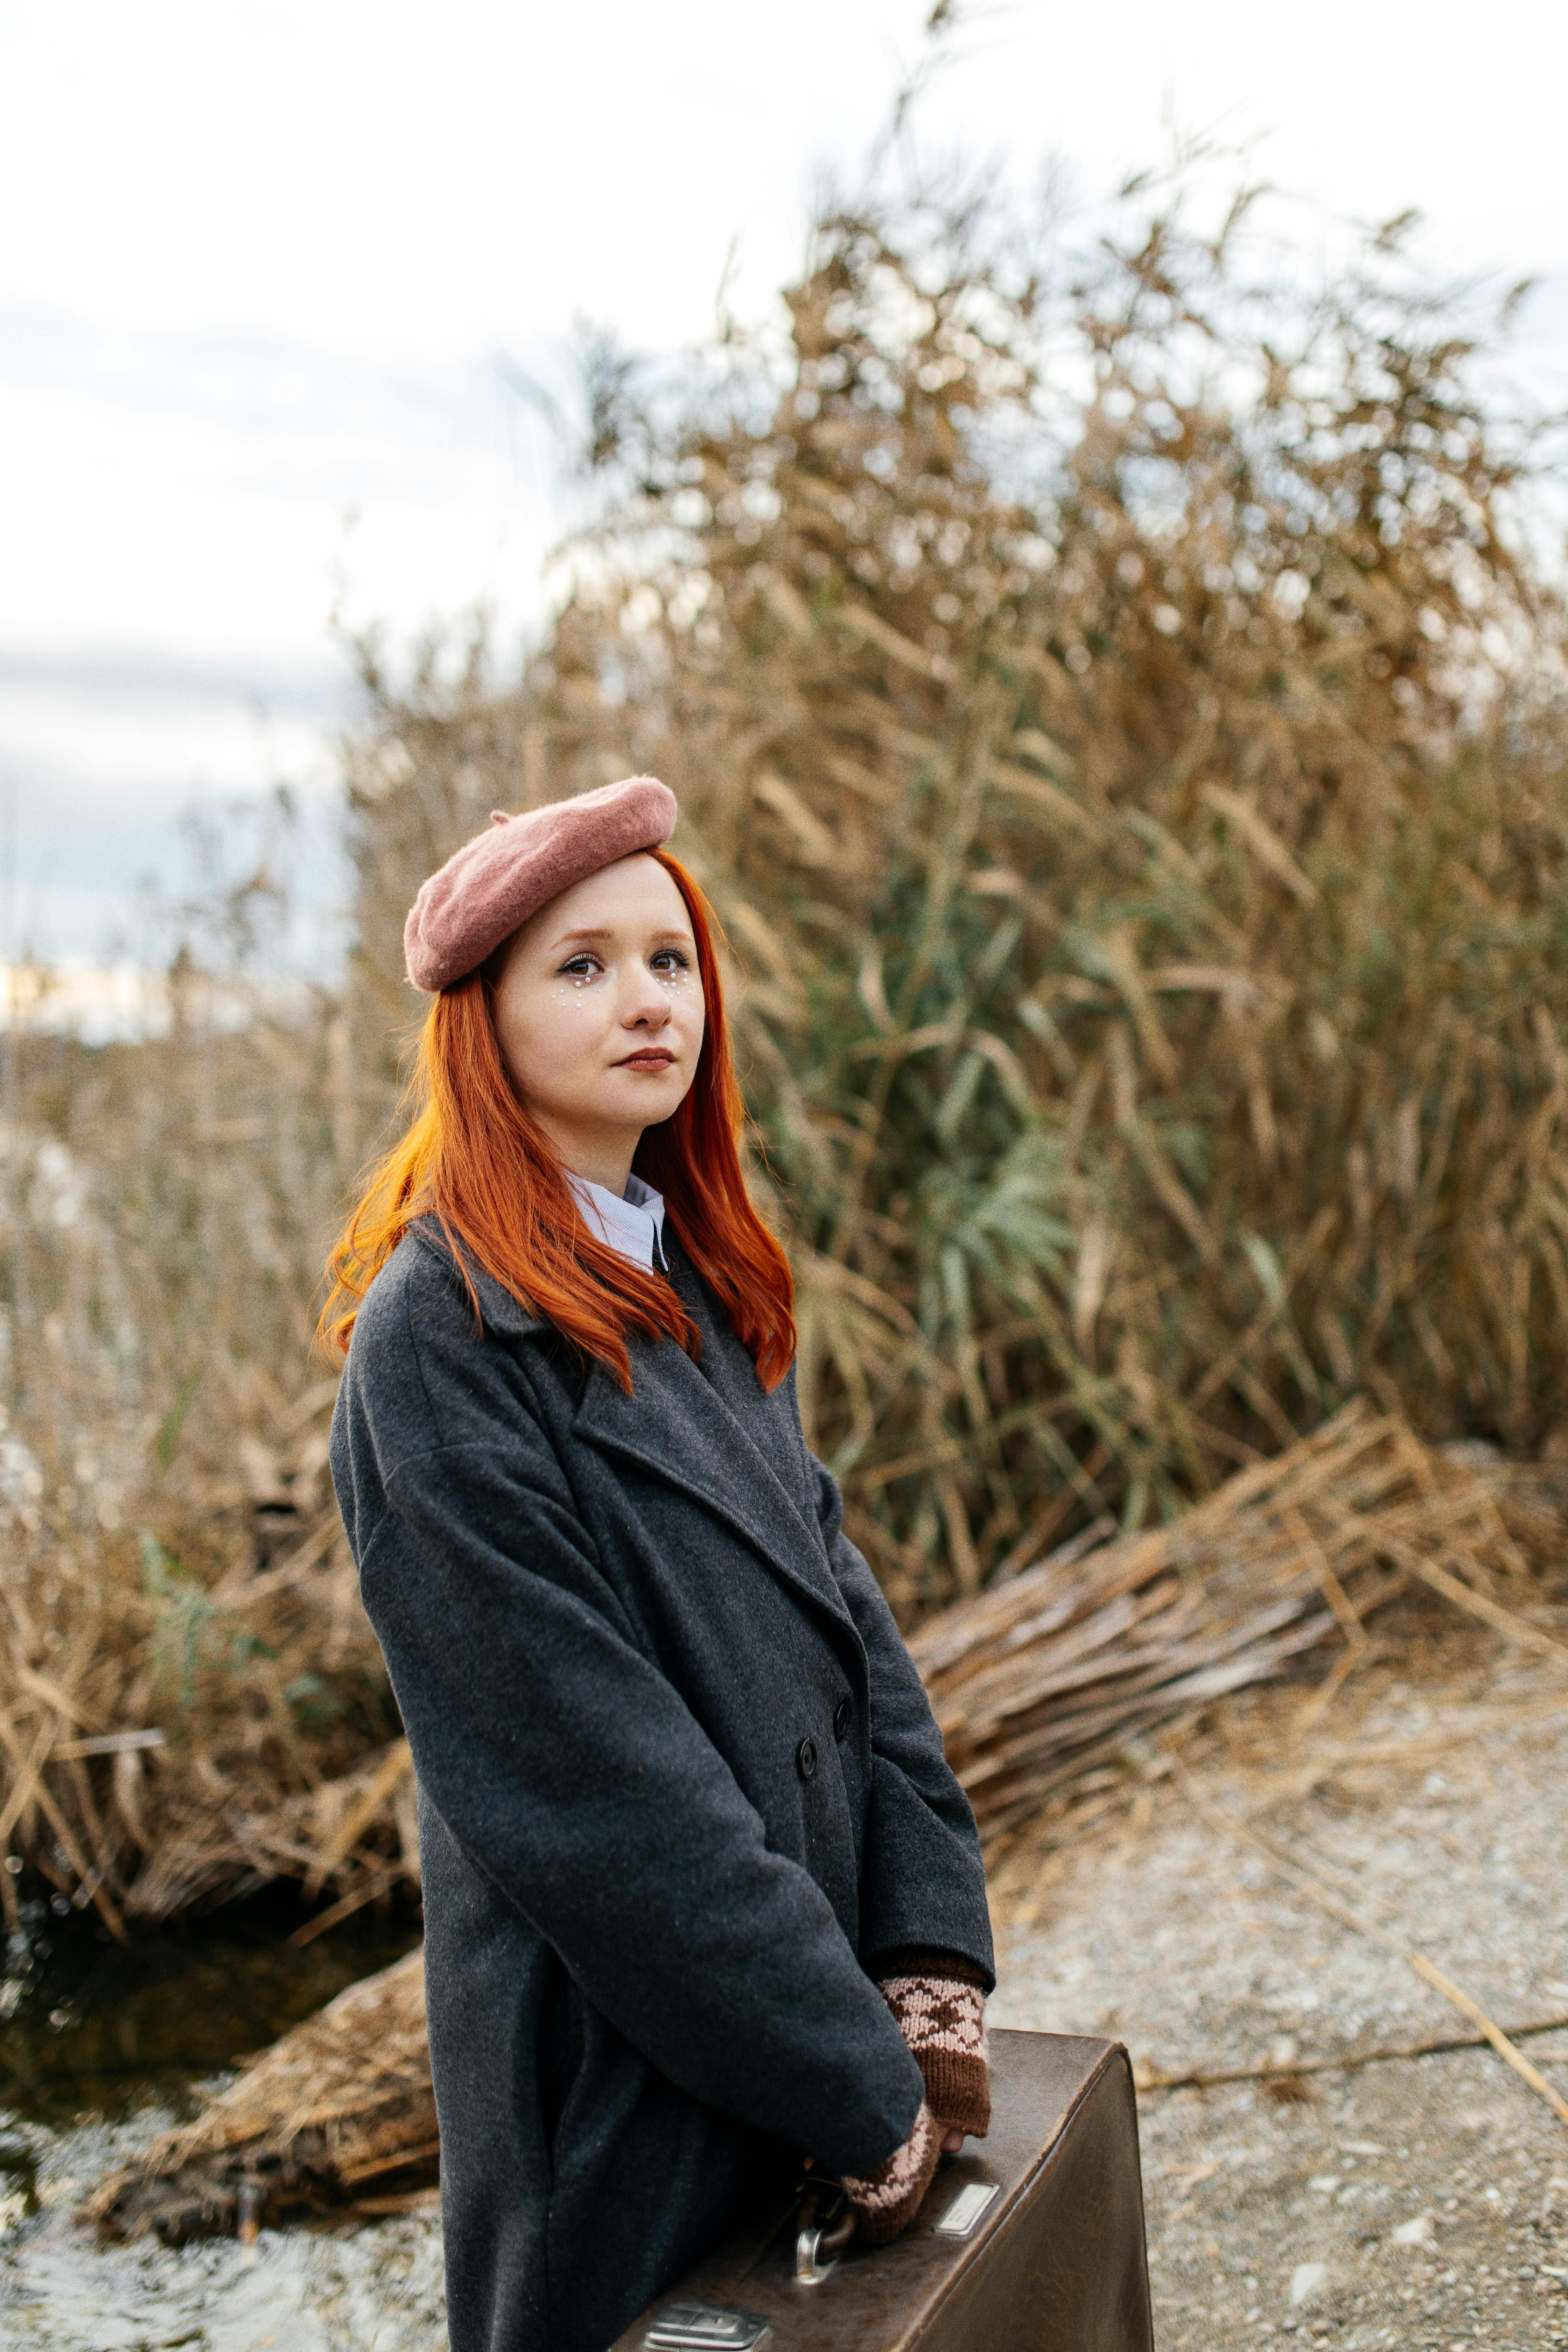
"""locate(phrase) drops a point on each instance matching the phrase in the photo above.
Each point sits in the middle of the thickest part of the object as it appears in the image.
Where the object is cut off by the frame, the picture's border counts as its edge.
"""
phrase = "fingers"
(888, 2199)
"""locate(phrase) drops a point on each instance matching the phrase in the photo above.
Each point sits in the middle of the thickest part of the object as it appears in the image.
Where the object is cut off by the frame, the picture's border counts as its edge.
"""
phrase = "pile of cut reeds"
(341, 2103)
(1040, 1680)
(1034, 1684)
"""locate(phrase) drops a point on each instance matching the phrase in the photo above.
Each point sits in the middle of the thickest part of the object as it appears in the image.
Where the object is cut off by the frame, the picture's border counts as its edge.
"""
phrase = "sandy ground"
(1421, 2203)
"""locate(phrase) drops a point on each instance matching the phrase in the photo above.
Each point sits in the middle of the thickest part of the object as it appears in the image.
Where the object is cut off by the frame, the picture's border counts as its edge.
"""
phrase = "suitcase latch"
(966, 2209)
(686, 2327)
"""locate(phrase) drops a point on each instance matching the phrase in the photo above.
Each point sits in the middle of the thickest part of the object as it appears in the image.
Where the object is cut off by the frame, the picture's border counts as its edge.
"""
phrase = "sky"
(261, 268)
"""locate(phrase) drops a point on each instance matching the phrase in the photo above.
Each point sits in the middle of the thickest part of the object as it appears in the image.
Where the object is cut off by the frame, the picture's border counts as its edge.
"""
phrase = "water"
(100, 2049)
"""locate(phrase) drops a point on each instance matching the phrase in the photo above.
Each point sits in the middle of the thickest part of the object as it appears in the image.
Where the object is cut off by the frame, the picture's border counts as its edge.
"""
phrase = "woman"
(700, 1893)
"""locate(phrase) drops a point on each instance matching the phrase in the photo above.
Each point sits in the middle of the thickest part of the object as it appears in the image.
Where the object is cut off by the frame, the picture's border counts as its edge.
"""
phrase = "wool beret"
(492, 885)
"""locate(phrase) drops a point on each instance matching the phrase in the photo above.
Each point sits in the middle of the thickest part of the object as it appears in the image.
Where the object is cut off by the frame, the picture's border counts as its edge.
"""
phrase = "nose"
(645, 1005)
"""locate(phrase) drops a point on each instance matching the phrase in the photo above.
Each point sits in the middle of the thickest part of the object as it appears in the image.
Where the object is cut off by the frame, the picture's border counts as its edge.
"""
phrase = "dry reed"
(339, 2104)
(1062, 1669)
(191, 1701)
(1125, 745)
(180, 1729)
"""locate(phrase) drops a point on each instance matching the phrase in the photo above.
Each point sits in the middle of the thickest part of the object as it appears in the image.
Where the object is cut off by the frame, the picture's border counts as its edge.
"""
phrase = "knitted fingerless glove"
(939, 2003)
(888, 2199)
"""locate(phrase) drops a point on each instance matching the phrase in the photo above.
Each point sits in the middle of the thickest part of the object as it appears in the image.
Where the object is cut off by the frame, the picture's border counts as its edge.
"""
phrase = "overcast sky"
(257, 264)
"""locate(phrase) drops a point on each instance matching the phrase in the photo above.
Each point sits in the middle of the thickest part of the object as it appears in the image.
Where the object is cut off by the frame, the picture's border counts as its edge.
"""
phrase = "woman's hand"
(888, 2199)
(939, 2002)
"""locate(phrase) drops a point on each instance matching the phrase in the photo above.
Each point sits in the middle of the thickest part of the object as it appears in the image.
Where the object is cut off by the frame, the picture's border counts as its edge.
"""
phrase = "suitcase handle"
(824, 2227)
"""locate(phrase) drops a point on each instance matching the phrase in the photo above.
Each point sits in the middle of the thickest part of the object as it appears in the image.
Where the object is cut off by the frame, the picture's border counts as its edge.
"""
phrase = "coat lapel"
(676, 1427)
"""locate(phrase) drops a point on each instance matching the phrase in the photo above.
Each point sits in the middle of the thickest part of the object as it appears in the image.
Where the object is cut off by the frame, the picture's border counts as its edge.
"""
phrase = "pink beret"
(490, 886)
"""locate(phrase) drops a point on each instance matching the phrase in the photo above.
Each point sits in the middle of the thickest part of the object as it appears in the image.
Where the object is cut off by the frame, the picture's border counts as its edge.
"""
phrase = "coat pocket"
(559, 2049)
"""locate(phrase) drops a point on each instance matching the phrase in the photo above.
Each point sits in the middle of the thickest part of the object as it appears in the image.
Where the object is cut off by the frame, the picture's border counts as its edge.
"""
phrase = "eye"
(580, 967)
(669, 960)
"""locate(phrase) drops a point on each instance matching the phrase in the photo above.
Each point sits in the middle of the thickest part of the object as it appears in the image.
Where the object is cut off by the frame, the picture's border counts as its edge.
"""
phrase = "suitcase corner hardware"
(704, 2328)
(966, 2209)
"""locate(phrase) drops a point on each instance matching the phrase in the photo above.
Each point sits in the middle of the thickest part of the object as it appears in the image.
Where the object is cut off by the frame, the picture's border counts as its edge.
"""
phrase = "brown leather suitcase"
(1031, 2241)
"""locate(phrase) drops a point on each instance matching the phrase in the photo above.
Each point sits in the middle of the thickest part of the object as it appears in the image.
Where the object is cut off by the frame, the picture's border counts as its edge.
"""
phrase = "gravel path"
(1420, 2204)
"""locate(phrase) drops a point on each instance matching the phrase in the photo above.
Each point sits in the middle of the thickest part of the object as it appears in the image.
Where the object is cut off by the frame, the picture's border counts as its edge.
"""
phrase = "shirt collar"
(634, 1224)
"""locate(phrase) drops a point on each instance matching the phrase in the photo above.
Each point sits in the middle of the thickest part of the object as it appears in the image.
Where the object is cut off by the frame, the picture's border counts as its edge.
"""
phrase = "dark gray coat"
(679, 1787)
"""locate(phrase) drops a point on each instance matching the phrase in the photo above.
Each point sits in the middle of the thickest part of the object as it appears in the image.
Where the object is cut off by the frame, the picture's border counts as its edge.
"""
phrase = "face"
(600, 1017)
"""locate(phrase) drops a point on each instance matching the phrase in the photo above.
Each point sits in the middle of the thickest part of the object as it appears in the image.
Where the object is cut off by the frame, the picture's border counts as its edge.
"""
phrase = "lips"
(654, 1058)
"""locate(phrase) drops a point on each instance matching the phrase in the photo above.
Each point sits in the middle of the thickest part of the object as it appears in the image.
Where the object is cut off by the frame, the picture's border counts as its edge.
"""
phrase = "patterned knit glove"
(888, 2199)
(938, 2001)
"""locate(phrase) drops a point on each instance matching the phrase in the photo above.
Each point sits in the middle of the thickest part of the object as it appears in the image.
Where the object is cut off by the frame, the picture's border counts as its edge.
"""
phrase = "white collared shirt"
(634, 1224)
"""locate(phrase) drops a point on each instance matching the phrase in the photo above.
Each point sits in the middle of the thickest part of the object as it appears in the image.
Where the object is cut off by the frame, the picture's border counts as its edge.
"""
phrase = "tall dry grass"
(191, 1701)
(1120, 723)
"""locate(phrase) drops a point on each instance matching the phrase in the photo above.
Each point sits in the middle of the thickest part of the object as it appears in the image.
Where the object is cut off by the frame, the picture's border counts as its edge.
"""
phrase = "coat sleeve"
(924, 1882)
(572, 1773)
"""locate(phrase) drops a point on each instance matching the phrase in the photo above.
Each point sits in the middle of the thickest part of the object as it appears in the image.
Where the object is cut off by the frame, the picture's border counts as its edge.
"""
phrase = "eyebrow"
(605, 931)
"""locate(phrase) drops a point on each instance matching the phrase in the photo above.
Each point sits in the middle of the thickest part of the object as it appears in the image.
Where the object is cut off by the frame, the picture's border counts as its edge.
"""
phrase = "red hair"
(472, 1157)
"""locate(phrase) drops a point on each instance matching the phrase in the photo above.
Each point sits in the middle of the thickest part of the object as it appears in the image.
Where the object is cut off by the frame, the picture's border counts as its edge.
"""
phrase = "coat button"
(841, 1719)
(806, 1759)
